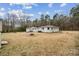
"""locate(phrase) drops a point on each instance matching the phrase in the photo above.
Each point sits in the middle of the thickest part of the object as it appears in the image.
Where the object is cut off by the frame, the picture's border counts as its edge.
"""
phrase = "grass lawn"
(21, 44)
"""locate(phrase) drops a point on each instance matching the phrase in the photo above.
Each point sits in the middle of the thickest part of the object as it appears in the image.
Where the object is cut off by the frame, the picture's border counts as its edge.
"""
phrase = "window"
(43, 28)
(52, 28)
(48, 28)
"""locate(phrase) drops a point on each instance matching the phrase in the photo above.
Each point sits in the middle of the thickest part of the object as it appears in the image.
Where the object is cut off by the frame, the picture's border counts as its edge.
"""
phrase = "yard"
(21, 43)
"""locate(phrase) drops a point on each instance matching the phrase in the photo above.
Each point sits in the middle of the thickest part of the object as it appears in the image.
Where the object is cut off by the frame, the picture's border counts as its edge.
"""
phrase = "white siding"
(46, 29)
(55, 30)
(27, 30)
(43, 29)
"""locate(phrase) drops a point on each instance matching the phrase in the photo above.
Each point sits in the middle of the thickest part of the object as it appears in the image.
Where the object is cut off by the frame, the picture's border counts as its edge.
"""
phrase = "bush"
(40, 31)
(31, 34)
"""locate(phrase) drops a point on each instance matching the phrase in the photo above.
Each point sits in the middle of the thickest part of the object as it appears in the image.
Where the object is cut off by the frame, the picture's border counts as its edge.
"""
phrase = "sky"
(34, 10)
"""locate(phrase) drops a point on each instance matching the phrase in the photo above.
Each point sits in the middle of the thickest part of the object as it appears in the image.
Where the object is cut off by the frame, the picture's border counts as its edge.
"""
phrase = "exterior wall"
(47, 30)
(50, 29)
(27, 30)
(56, 30)
(33, 29)
(42, 29)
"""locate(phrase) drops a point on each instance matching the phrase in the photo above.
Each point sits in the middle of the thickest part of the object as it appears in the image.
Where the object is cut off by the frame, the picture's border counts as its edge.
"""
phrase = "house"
(47, 28)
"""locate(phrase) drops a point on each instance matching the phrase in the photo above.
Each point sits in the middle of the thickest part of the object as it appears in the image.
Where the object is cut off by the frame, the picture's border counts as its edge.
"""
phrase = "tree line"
(64, 22)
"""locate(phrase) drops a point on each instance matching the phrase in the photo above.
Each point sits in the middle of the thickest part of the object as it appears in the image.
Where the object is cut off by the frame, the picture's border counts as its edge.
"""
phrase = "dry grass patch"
(40, 44)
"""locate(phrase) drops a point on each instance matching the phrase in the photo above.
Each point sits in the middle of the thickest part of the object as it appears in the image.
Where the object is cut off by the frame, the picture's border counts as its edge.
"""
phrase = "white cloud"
(34, 4)
(16, 12)
(30, 15)
(10, 4)
(25, 5)
(20, 13)
(2, 14)
(2, 9)
(63, 4)
(39, 13)
(47, 12)
(58, 11)
(13, 11)
(50, 5)
(9, 9)
(28, 5)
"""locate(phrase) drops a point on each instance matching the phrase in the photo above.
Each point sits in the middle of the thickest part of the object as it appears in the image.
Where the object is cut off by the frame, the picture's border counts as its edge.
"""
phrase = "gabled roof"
(44, 26)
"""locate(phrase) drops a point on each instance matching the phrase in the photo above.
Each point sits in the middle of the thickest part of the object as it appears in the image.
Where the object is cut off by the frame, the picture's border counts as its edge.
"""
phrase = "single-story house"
(47, 28)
